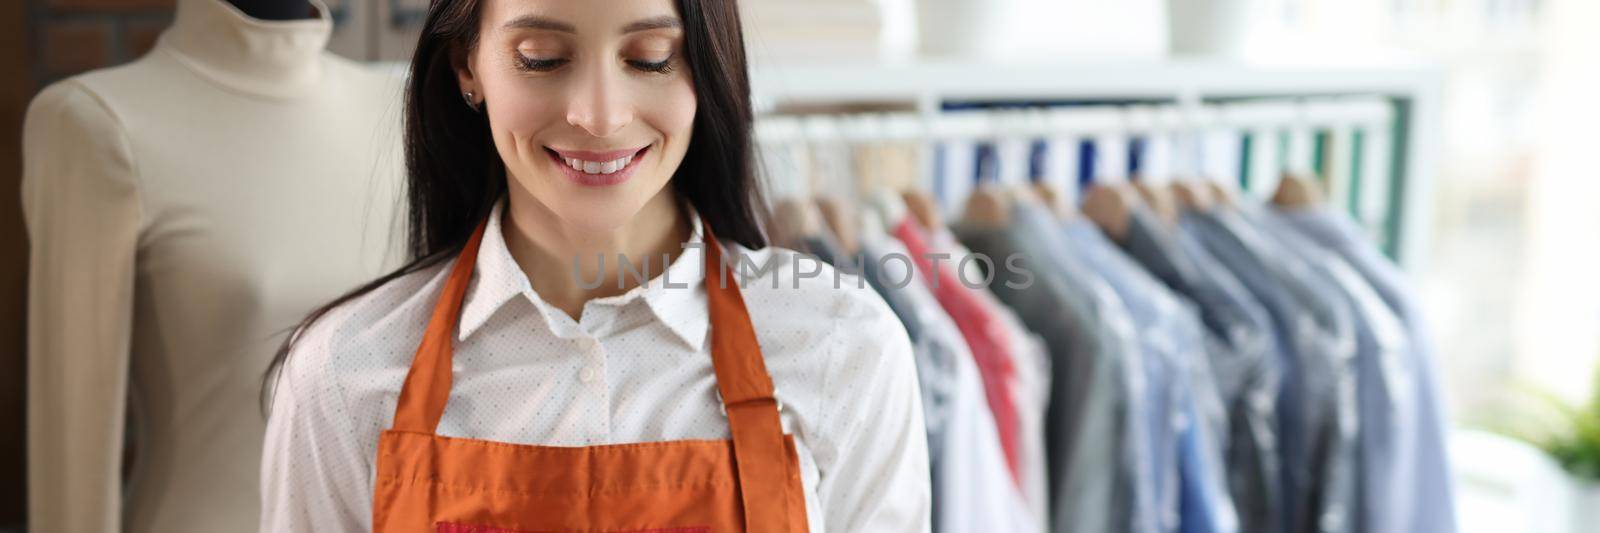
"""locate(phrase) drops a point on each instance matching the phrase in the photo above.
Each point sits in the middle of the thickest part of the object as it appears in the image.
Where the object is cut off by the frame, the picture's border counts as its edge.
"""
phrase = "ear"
(462, 63)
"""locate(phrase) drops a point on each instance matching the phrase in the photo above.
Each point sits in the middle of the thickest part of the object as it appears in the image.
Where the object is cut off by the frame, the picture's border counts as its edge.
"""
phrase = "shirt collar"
(680, 306)
(497, 278)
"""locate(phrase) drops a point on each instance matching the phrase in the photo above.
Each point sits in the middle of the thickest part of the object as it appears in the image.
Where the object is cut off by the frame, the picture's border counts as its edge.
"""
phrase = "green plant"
(1568, 433)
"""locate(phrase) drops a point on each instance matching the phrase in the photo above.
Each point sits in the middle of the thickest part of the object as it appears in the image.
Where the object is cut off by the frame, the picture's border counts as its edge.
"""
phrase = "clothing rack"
(1369, 132)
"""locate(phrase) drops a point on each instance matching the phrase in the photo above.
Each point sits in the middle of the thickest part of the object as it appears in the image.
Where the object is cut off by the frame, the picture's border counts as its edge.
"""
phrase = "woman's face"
(590, 102)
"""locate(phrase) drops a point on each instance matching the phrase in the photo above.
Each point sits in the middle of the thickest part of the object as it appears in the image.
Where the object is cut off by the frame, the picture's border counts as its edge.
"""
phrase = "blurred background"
(1476, 171)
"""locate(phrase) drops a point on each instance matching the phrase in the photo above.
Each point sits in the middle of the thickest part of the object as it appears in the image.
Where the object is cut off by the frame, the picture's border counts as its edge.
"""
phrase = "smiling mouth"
(596, 163)
(596, 169)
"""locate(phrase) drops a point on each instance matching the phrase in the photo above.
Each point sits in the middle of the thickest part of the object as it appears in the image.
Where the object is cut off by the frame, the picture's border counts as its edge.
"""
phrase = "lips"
(597, 168)
(597, 157)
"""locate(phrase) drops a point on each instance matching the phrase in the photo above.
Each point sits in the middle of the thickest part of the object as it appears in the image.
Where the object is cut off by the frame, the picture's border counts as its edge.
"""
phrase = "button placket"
(593, 360)
(590, 374)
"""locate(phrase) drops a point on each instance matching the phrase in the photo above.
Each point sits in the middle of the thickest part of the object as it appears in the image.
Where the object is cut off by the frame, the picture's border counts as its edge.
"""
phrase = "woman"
(503, 382)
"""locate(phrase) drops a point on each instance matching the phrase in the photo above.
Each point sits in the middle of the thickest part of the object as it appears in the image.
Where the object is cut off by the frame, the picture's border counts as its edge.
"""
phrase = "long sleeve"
(316, 470)
(874, 457)
(81, 203)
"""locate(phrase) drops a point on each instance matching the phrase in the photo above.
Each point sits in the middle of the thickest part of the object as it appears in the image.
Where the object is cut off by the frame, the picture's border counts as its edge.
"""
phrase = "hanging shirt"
(1091, 341)
(1240, 346)
(1186, 474)
(982, 330)
(972, 486)
(1380, 381)
(1316, 399)
(634, 367)
(1418, 491)
(1032, 387)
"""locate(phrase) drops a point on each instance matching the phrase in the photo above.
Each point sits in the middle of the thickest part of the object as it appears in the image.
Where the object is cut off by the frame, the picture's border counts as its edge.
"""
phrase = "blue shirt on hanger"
(1186, 473)
(1420, 497)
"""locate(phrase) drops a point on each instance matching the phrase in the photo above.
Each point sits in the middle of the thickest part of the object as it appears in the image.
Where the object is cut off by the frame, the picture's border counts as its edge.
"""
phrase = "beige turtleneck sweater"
(183, 211)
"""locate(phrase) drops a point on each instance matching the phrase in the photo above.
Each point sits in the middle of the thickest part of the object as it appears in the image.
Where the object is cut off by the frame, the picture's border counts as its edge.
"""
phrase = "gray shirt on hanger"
(1316, 403)
(1091, 340)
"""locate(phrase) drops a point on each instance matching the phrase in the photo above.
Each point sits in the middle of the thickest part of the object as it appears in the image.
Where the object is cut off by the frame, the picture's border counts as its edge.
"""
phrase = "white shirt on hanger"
(633, 368)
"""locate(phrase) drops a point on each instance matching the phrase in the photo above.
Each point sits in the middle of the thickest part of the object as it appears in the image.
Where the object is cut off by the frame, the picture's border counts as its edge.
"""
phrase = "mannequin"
(275, 9)
(184, 210)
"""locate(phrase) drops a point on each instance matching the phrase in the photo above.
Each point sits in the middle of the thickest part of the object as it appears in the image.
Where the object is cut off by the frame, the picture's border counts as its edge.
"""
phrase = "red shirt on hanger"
(983, 331)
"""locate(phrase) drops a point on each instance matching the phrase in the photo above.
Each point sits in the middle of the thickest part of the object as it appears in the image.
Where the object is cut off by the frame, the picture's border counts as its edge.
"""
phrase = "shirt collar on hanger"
(681, 307)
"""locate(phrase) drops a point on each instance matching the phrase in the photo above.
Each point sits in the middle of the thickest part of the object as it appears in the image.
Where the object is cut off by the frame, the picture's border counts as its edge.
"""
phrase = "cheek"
(518, 111)
(672, 112)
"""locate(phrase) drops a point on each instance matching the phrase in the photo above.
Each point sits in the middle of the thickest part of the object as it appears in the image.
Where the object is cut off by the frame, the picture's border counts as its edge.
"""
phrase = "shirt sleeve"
(874, 459)
(81, 204)
(316, 471)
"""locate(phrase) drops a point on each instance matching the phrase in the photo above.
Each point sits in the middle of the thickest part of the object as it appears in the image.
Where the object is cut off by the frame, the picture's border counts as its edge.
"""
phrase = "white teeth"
(602, 167)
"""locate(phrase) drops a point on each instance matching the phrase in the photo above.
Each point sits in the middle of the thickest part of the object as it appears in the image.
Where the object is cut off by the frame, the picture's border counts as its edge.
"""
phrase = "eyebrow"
(653, 23)
(542, 23)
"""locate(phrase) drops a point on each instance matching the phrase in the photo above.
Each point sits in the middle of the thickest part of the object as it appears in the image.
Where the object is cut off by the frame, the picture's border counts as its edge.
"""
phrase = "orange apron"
(751, 482)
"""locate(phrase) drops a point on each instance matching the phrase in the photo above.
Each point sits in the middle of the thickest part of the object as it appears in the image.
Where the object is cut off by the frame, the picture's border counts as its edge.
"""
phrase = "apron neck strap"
(761, 454)
(742, 376)
(427, 386)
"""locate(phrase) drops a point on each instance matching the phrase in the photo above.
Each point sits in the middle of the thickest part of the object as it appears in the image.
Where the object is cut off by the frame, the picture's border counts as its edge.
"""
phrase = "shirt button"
(588, 374)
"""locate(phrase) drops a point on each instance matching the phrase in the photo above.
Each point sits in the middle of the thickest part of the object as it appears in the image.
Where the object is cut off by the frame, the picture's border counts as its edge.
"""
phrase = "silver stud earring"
(472, 102)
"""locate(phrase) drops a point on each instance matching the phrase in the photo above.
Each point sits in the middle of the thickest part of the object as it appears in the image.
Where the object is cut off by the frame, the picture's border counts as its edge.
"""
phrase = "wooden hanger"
(1297, 192)
(1110, 208)
(1220, 195)
(1191, 196)
(922, 208)
(987, 207)
(1160, 200)
(842, 218)
(1046, 194)
(1053, 199)
(793, 219)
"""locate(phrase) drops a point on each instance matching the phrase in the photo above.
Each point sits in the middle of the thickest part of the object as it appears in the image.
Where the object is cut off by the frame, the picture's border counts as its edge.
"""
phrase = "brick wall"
(72, 36)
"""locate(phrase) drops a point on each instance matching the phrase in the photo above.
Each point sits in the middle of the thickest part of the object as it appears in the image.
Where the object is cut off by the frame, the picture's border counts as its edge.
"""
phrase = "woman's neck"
(546, 249)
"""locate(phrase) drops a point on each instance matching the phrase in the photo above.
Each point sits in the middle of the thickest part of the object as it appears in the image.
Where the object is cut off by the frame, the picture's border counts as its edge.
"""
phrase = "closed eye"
(545, 65)
(660, 67)
(538, 65)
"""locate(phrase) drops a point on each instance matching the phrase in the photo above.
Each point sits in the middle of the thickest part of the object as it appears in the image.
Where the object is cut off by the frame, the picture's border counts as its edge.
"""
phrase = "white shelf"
(926, 82)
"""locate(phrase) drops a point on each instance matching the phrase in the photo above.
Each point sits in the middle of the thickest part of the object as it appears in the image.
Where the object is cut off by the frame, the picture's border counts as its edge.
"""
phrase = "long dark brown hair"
(454, 175)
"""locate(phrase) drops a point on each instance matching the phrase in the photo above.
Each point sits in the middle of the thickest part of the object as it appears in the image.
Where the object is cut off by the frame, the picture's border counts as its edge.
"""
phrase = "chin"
(593, 210)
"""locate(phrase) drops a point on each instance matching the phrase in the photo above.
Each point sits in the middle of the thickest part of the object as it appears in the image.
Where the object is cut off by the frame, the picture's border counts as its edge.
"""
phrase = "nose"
(599, 105)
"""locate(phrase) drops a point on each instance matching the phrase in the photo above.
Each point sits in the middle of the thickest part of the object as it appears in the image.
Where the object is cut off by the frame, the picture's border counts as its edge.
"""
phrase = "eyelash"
(529, 64)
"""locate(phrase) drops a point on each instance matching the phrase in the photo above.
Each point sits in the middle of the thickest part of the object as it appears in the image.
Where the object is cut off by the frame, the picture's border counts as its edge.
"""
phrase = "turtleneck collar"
(268, 58)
